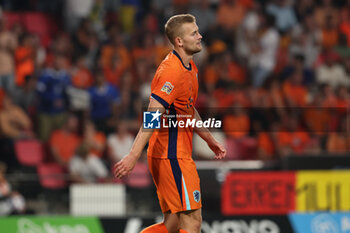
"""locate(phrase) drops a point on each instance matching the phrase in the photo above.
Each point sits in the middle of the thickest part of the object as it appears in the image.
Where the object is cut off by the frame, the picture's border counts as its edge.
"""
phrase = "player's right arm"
(125, 166)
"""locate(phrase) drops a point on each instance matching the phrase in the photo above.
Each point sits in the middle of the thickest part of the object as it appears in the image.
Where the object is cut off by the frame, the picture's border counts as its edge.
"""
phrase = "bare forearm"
(9, 131)
(140, 142)
(204, 133)
(7, 128)
(125, 166)
(144, 135)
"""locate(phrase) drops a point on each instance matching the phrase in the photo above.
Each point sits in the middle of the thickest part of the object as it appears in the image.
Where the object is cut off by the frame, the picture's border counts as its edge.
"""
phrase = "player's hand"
(218, 149)
(125, 166)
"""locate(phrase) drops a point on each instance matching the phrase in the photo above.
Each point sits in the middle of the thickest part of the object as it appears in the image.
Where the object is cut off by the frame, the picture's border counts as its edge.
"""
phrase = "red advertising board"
(252, 193)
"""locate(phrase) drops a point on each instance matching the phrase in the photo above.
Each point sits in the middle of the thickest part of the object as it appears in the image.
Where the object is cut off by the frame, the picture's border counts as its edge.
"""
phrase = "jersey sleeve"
(167, 87)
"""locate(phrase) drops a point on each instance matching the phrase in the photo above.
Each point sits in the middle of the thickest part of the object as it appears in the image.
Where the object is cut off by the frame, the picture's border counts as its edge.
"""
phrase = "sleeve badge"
(167, 88)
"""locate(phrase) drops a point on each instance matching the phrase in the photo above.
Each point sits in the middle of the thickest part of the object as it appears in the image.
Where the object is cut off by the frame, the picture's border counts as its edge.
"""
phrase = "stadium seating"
(37, 23)
(52, 176)
(53, 179)
(139, 177)
(29, 152)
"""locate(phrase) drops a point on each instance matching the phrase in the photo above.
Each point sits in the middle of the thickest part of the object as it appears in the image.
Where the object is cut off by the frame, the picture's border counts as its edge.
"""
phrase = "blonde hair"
(173, 25)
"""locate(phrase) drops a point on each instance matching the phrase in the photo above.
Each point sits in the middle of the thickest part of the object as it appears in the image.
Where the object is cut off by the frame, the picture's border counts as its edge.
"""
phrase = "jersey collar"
(187, 68)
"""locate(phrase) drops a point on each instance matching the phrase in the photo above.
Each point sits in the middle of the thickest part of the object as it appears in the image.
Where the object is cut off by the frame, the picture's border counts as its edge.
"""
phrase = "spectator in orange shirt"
(223, 97)
(236, 124)
(144, 48)
(329, 97)
(343, 100)
(295, 93)
(329, 104)
(330, 33)
(294, 142)
(24, 57)
(211, 74)
(276, 95)
(266, 146)
(316, 117)
(228, 72)
(64, 141)
(230, 13)
(114, 71)
(180, 5)
(235, 72)
(116, 47)
(96, 141)
(324, 10)
(260, 98)
(162, 48)
(292, 139)
(338, 142)
(61, 44)
(81, 75)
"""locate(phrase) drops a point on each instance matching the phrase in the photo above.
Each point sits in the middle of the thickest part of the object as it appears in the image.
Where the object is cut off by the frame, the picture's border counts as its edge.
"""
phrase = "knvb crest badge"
(151, 120)
(197, 195)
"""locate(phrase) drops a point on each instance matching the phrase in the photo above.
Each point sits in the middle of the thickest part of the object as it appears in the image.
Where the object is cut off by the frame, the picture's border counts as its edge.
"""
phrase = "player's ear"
(178, 41)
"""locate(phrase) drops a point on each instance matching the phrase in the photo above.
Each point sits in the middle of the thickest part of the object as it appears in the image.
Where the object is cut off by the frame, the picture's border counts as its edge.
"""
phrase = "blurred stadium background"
(74, 75)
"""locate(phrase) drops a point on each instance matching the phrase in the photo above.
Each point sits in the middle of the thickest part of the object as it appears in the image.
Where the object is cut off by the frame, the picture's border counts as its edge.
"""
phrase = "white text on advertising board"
(27, 226)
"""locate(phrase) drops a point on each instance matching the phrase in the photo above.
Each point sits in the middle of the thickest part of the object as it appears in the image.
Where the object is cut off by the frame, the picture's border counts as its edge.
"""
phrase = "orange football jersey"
(175, 86)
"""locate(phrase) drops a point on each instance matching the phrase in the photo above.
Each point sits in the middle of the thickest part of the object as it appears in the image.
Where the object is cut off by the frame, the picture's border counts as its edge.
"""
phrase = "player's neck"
(184, 56)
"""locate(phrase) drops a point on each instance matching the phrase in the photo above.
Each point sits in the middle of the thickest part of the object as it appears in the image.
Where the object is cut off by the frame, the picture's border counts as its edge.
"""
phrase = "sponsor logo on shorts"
(197, 196)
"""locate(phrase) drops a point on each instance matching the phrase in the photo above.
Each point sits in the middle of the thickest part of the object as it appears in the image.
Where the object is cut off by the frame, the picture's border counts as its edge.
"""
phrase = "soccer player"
(174, 89)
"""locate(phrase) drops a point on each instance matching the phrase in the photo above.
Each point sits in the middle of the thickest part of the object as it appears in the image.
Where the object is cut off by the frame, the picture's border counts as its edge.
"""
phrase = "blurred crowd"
(76, 74)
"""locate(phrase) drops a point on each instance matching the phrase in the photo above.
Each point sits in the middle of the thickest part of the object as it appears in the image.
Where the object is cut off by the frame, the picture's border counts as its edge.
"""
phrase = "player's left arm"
(206, 135)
